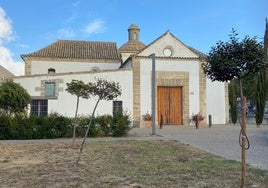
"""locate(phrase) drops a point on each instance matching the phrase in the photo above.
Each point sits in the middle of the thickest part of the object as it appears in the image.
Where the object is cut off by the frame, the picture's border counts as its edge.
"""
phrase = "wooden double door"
(169, 105)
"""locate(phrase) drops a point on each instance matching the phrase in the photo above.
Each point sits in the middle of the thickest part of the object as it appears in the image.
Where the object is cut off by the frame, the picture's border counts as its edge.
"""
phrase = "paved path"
(222, 140)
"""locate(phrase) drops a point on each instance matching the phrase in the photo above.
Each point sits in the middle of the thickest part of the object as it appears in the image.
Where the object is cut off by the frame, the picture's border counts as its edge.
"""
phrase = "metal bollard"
(161, 121)
(209, 120)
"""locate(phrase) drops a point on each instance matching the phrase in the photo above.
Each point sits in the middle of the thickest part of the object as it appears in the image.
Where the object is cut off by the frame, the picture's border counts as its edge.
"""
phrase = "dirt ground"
(120, 164)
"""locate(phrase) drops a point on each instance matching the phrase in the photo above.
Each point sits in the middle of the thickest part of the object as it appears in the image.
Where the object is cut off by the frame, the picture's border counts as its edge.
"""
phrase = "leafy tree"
(103, 90)
(248, 91)
(14, 99)
(262, 83)
(235, 59)
(80, 89)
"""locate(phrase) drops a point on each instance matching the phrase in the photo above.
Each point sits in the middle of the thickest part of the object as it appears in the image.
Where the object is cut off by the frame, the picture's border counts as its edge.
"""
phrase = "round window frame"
(170, 49)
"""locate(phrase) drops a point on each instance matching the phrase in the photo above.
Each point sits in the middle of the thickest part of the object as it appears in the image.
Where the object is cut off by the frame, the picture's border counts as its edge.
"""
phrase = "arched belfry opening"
(133, 32)
(133, 45)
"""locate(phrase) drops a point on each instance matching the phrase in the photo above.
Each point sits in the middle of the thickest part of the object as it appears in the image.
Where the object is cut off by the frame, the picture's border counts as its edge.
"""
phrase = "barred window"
(39, 107)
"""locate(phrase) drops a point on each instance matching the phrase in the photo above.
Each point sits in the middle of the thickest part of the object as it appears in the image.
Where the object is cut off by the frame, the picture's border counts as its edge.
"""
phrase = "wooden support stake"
(243, 153)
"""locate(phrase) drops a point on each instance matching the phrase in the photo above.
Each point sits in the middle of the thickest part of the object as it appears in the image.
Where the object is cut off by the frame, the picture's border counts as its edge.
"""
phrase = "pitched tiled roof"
(71, 49)
(5, 73)
(132, 46)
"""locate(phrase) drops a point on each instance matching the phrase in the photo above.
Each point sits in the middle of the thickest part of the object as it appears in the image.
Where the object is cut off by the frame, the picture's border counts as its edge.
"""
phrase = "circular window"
(168, 51)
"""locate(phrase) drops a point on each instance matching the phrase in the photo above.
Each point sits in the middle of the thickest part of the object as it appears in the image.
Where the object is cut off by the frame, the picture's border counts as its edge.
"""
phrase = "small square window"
(51, 71)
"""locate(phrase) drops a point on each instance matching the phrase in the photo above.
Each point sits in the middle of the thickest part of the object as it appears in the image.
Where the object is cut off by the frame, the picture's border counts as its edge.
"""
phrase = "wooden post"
(243, 153)
(209, 120)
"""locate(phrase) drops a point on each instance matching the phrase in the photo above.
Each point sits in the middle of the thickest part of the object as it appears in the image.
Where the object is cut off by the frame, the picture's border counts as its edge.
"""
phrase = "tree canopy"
(106, 90)
(13, 98)
(79, 88)
(234, 59)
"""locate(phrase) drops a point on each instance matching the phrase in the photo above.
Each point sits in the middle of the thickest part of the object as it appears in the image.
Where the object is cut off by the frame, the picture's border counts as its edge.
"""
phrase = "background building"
(181, 86)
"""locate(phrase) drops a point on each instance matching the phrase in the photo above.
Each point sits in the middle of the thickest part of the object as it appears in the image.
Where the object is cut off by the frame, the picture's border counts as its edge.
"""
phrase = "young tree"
(103, 90)
(14, 99)
(235, 59)
(80, 89)
(262, 84)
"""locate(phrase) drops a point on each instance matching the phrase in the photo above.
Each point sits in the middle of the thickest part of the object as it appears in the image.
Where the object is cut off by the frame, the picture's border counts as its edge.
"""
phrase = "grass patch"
(121, 164)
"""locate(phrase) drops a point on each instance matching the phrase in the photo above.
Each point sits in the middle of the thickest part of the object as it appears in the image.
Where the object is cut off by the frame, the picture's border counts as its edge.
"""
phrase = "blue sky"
(29, 25)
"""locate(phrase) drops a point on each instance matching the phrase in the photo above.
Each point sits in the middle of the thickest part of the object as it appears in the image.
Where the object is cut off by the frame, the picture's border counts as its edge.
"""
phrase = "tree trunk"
(244, 137)
(84, 140)
(75, 119)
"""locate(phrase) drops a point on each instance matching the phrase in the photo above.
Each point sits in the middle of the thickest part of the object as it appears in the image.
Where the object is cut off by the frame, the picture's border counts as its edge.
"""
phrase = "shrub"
(5, 124)
(58, 126)
(95, 130)
(20, 129)
(43, 128)
(120, 124)
(104, 121)
(61, 126)
(82, 123)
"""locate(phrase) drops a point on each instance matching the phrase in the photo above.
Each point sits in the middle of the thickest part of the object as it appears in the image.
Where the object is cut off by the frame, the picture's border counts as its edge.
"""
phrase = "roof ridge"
(197, 52)
(77, 49)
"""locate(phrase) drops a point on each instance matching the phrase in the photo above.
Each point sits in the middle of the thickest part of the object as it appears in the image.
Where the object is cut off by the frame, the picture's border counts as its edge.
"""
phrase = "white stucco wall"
(124, 56)
(41, 67)
(215, 96)
(65, 104)
(190, 66)
(167, 40)
(128, 64)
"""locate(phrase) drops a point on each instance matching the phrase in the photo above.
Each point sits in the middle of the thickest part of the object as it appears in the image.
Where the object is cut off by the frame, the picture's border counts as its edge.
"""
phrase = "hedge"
(58, 126)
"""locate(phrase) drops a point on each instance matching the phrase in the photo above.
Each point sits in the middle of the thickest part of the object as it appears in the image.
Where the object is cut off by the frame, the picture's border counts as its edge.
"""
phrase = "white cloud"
(8, 63)
(95, 27)
(6, 27)
(24, 46)
(65, 33)
(76, 4)
(6, 35)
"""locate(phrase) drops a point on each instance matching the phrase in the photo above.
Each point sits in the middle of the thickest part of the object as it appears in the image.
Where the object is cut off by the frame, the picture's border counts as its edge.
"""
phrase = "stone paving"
(222, 140)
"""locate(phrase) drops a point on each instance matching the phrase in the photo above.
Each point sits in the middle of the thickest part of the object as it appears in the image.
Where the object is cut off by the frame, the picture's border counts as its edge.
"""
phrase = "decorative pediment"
(168, 45)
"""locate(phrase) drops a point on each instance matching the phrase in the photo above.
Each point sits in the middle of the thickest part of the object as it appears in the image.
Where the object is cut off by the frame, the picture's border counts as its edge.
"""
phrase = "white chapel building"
(181, 86)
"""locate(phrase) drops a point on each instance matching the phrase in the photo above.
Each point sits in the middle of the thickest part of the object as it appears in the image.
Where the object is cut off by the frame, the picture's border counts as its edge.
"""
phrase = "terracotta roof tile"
(72, 49)
(132, 46)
